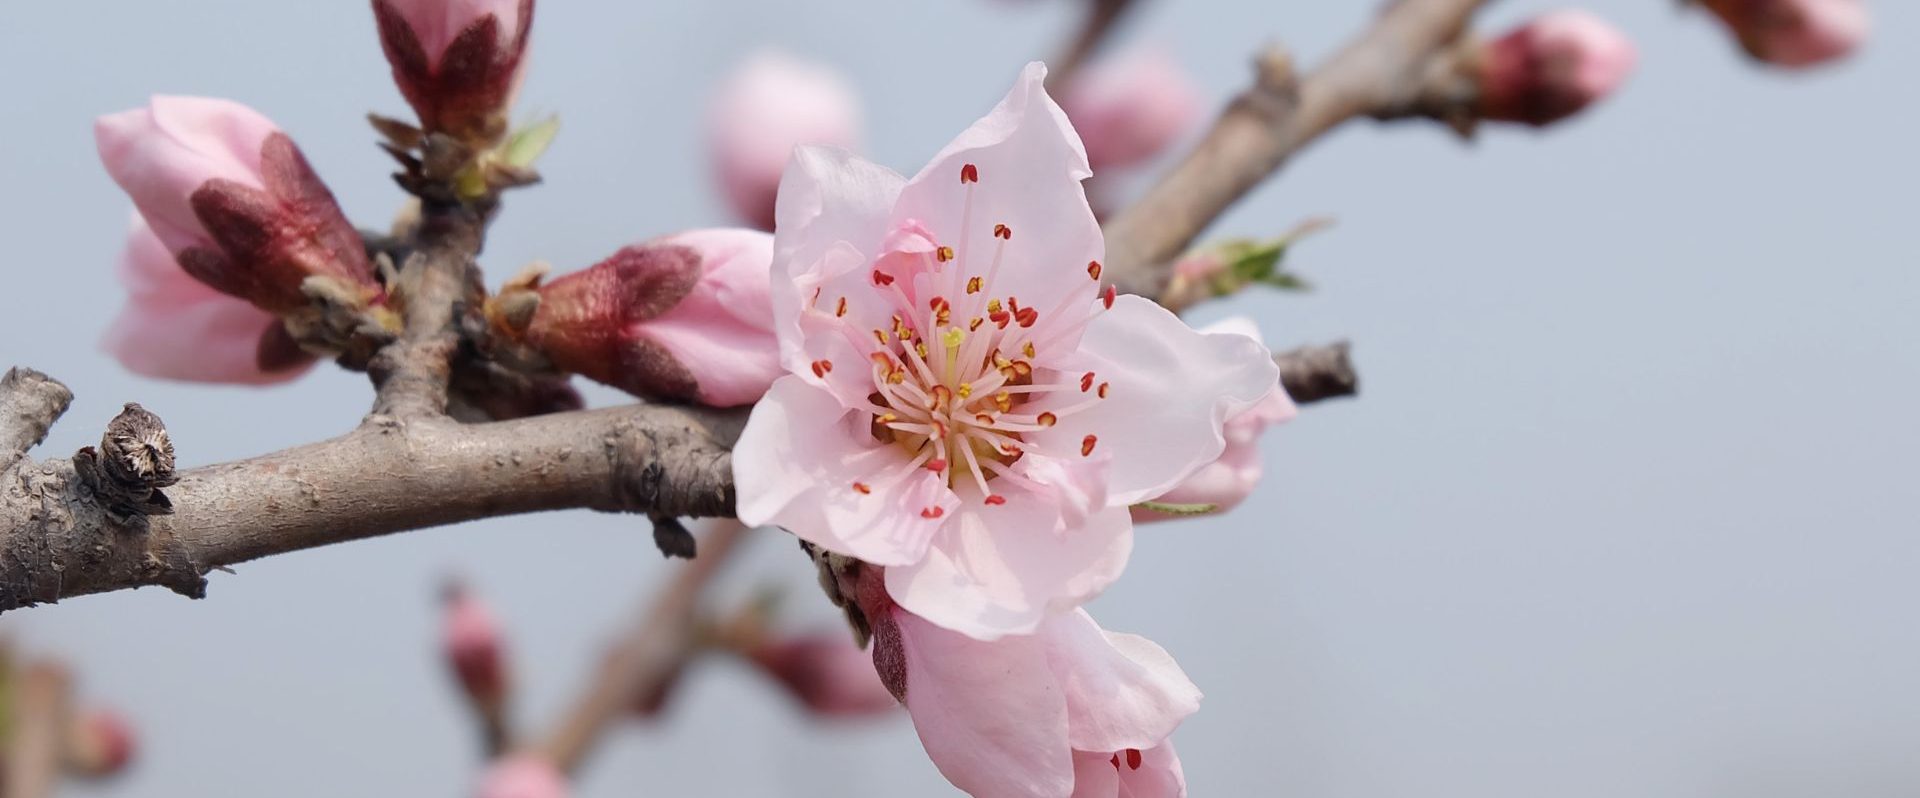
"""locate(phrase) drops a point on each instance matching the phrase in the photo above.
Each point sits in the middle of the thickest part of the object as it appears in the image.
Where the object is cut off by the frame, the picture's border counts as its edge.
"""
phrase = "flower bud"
(684, 317)
(1228, 481)
(457, 62)
(471, 641)
(522, 776)
(1552, 67)
(827, 672)
(236, 203)
(1794, 33)
(770, 105)
(100, 744)
(1132, 108)
(175, 327)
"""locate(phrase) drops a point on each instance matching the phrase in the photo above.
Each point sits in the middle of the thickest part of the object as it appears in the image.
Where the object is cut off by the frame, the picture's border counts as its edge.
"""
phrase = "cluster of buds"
(1794, 33)
(1550, 68)
(1224, 268)
(686, 317)
(235, 204)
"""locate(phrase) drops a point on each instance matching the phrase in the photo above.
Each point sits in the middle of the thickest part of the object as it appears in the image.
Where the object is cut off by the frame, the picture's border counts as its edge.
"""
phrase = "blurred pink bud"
(1132, 108)
(1228, 481)
(234, 201)
(828, 673)
(102, 744)
(175, 327)
(771, 104)
(686, 316)
(522, 776)
(1795, 33)
(457, 61)
(1552, 67)
(474, 648)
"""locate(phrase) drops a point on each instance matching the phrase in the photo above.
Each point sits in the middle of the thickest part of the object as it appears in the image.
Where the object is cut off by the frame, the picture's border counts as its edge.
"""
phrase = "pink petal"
(1228, 481)
(161, 154)
(989, 714)
(723, 330)
(800, 465)
(1030, 163)
(831, 203)
(1123, 691)
(1095, 775)
(1001, 569)
(1172, 391)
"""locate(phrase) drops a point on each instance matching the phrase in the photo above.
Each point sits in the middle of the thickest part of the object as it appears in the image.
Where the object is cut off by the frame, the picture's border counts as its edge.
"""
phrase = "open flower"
(1228, 481)
(965, 404)
(176, 327)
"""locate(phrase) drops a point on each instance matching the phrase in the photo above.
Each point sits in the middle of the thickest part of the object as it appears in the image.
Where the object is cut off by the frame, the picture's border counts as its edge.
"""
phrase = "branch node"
(672, 537)
(29, 404)
(133, 463)
(1315, 373)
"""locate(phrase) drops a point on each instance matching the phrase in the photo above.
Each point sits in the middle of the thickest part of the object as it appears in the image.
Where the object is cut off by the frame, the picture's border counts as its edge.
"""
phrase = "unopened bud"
(235, 202)
(100, 744)
(1132, 108)
(474, 649)
(1552, 67)
(1227, 481)
(827, 673)
(685, 317)
(522, 776)
(770, 105)
(457, 61)
(1794, 33)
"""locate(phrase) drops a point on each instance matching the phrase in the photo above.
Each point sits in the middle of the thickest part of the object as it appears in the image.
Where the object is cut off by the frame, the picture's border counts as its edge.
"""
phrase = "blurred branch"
(41, 711)
(1263, 126)
(1099, 22)
(645, 658)
(1314, 373)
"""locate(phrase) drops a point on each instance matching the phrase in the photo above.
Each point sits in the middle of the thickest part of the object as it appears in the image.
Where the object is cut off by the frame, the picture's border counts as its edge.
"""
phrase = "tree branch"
(1269, 122)
(439, 285)
(1099, 22)
(1315, 373)
(29, 404)
(42, 708)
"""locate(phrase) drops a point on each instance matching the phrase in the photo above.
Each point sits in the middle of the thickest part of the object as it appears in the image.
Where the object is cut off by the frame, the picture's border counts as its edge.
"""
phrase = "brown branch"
(1099, 22)
(1315, 373)
(1269, 122)
(648, 655)
(29, 404)
(41, 711)
(438, 285)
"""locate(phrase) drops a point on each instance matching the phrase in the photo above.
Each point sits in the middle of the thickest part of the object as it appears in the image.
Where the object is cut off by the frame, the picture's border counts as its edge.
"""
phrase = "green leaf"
(527, 144)
(1170, 508)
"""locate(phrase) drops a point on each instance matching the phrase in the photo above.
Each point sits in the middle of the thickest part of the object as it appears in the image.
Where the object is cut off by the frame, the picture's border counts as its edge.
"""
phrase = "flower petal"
(828, 197)
(1172, 391)
(1001, 569)
(989, 714)
(801, 464)
(1123, 691)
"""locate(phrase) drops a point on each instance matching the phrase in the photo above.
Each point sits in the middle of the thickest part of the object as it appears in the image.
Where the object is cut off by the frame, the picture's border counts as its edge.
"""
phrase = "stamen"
(1093, 269)
(1027, 349)
(1107, 297)
(975, 324)
(973, 284)
(1133, 758)
(943, 254)
(933, 512)
(936, 465)
(1086, 382)
(1047, 419)
(1003, 232)
(1086, 445)
(882, 278)
(842, 309)
(995, 500)
(1103, 389)
(969, 173)
(965, 390)
(821, 368)
(861, 488)
(881, 336)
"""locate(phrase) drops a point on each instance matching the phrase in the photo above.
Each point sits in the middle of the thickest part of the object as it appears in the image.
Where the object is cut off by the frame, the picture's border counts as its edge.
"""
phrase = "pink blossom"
(1795, 33)
(686, 316)
(770, 105)
(522, 776)
(472, 644)
(991, 472)
(234, 201)
(457, 61)
(1025, 716)
(103, 744)
(175, 327)
(1228, 481)
(1552, 67)
(1132, 108)
(827, 672)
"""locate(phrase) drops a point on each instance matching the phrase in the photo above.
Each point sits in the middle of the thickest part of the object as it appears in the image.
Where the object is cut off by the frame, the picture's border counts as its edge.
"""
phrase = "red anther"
(1108, 297)
(943, 254)
(1086, 445)
(995, 499)
(1103, 389)
(1003, 232)
(842, 309)
(1010, 450)
(1086, 382)
(861, 488)
(1048, 419)
(969, 173)
(1133, 758)
(937, 465)
(1116, 761)
(1000, 317)
(933, 512)
(1026, 316)
(882, 278)
(975, 324)
(973, 285)
(1093, 269)
(821, 368)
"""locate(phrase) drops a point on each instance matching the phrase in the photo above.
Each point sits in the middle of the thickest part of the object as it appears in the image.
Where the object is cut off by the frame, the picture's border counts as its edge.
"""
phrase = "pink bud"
(474, 647)
(687, 317)
(771, 104)
(522, 776)
(1228, 481)
(102, 744)
(457, 61)
(827, 673)
(234, 201)
(1552, 67)
(175, 327)
(1795, 33)
(1132, 108)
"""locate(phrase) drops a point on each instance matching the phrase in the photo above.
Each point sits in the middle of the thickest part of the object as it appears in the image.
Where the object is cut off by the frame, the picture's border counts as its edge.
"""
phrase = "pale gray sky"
(1628, 506)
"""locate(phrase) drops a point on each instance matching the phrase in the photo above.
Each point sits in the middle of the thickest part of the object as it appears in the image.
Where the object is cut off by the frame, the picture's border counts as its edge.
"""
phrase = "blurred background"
(1628, 504)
